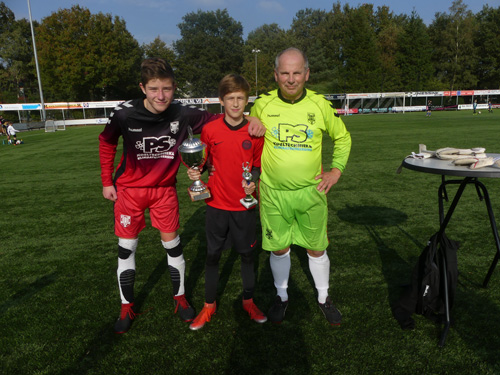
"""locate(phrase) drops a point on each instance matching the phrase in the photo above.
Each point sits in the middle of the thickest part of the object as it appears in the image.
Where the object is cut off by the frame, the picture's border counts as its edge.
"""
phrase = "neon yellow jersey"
(291, 157)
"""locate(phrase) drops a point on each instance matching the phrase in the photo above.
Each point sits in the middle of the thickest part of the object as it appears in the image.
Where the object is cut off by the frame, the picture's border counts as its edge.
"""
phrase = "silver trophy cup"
(249, 201)
(193, 155)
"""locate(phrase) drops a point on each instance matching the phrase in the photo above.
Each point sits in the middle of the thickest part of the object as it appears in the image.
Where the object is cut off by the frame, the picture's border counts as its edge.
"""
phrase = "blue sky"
(147, 19)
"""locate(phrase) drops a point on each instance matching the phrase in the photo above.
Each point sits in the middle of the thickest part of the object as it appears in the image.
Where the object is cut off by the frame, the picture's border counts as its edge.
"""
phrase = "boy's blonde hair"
(233, 83)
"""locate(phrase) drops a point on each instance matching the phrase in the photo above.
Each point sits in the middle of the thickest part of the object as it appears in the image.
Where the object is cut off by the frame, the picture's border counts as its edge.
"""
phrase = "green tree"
(335, 33)
(16, 68)
(455, 56)
(158, 48)
(7, 18)
(360, 53)
(487, 39)
(18, 79)
(414, 55)
(85, 56)
(307, 25)
(311, 33)
(388, 28)
(269, 40)
(210, 47)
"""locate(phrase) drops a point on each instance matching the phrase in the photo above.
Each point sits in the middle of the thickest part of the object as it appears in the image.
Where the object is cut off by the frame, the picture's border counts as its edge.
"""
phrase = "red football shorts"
(131, 204)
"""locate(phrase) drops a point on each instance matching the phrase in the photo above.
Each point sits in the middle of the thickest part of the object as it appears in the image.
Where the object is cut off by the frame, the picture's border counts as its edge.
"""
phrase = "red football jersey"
(150, 143)
(228, 148)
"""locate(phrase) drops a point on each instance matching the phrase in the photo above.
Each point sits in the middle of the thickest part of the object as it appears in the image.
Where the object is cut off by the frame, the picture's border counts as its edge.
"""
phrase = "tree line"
(91, 57)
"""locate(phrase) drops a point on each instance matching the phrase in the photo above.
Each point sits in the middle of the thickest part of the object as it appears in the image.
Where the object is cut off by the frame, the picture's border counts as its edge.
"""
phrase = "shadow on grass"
(105, 339)
(194, 229)
(270, 348)
(29, 291)
(372, 217)
(267, 348)
(475, 319)
(474, 315)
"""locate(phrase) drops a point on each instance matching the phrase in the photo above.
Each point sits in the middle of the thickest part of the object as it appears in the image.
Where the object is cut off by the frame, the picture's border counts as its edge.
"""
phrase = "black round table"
(467, 176)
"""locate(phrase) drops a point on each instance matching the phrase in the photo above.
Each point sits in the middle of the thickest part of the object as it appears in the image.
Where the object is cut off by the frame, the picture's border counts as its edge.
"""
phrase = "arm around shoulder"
(255, 127)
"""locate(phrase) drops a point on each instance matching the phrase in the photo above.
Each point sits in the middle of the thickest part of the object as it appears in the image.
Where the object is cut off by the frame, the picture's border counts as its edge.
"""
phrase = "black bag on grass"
(425, 294)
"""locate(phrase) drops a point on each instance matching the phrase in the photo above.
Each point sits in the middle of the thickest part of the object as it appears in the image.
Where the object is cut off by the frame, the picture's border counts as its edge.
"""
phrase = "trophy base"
(250, 204)
(199, 195)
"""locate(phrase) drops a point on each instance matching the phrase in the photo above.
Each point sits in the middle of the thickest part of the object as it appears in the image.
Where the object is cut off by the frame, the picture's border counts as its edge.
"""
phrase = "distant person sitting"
(4, 125)
(11, 133)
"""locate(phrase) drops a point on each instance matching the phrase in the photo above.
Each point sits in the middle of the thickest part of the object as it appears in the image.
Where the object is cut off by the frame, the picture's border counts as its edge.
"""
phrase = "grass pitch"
(59, 296)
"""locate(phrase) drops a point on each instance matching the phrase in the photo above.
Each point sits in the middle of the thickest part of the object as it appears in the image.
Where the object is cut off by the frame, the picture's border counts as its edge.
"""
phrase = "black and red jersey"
(228, 148)
(150, 143)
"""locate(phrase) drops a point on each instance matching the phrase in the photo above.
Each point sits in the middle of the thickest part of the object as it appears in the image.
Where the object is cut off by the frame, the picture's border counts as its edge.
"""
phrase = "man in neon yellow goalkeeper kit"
(293, 185)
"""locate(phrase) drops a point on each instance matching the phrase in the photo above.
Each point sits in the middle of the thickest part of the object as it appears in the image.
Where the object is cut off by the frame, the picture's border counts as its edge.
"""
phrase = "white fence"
(358, 103)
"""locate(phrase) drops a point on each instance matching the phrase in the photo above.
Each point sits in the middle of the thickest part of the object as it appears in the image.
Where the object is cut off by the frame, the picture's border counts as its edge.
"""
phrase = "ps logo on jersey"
(154, 144)
(292, 133)
(125, 220)
(174, 127)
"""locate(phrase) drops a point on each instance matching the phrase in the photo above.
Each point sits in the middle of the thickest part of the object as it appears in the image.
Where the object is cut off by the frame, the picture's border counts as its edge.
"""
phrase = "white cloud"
(272, 6)
(151, 4)
(211, 3)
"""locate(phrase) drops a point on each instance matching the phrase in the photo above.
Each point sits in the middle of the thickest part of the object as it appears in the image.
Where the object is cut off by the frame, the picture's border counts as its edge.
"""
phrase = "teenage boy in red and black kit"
(152, 129)
(230, 148)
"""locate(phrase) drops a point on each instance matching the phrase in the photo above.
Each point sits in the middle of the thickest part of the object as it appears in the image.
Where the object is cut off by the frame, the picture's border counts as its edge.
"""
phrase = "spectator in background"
(4, 125)
(11, 133)
(429, 106)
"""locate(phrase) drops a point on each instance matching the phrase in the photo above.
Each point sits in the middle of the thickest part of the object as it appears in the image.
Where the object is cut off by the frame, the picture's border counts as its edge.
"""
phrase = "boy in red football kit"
(230, 149)
(152, 129)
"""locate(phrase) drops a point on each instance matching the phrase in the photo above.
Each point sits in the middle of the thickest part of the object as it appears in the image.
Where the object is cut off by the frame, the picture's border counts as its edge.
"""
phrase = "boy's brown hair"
(233, 83)
(156, 68)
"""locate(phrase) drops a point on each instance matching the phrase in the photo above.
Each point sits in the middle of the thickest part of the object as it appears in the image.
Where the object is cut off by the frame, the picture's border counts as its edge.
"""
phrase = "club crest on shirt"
(125, 220)
(311, 118)
(247, 145)
(174, 127)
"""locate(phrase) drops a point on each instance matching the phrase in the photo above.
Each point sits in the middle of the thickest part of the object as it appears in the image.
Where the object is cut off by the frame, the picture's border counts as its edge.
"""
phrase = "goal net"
(50, 126)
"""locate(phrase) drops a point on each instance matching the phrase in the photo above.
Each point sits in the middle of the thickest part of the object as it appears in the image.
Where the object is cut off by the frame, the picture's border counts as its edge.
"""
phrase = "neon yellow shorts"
(293, 217)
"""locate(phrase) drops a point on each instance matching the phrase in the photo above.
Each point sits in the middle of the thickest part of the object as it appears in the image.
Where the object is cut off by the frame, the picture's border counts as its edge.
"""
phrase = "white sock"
(280, 267)
(320, 271)
(128, 266)
(177, 266)
(171, 244)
